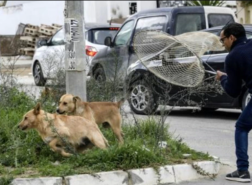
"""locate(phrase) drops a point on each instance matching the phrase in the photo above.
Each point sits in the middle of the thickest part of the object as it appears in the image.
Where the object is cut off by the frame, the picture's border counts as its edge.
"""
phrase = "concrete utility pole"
(75, 55)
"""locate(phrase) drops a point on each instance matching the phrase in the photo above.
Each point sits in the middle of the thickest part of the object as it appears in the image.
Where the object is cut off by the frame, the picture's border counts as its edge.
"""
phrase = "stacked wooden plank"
(32, 34)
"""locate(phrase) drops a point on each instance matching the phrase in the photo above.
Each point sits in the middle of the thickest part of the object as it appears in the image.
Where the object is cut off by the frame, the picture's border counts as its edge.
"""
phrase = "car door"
(157, 22)
(115, 64)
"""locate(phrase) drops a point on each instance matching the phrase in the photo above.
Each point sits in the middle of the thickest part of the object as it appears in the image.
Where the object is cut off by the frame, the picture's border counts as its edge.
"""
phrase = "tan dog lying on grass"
(58, 131)
(100, 112)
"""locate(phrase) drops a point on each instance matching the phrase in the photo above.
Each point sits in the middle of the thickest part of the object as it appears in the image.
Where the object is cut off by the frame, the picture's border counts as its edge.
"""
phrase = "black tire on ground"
(38, 75)
(99, 75)
(142, 99)
(245, 99)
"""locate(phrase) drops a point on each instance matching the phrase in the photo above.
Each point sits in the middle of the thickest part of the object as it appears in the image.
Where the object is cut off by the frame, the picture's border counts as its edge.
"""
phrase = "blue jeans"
(243, 126)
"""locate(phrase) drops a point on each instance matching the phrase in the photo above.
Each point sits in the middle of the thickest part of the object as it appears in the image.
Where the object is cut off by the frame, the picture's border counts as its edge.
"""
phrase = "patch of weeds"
(6, 180)
(102, 91)
(25, 152)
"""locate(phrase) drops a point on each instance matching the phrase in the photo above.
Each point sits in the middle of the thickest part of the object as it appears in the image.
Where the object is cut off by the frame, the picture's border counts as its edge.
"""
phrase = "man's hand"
(219, 74)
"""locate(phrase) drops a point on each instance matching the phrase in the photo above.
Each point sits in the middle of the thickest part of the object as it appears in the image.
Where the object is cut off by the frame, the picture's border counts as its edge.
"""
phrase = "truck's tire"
(142, 99)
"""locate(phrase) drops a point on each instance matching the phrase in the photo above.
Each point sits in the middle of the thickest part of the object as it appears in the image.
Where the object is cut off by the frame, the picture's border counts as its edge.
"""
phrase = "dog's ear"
(37, 109)
(76, 99)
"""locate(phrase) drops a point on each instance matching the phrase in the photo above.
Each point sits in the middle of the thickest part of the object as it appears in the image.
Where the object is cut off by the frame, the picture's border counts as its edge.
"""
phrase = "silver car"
(49, 55)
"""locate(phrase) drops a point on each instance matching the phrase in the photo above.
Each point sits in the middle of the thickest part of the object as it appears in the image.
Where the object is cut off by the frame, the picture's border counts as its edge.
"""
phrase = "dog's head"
(68, 104)
(30, 119)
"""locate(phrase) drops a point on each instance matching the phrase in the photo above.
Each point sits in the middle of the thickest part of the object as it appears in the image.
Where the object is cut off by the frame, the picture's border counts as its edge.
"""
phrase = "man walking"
(238, 67)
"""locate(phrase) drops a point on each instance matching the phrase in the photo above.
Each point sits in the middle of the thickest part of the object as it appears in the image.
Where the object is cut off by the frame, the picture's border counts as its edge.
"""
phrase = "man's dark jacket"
(238, 66)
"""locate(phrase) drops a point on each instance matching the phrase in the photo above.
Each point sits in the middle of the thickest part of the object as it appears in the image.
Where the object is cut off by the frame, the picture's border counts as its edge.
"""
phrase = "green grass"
(24, 154)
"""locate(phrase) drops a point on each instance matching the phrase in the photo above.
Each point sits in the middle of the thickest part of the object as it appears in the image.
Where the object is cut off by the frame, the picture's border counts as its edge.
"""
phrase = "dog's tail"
(119, 104)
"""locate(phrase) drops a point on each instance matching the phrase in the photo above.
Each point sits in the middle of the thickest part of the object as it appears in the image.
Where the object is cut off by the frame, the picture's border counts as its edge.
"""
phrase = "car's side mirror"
(131, 49)
(42, 42)
(108, 41)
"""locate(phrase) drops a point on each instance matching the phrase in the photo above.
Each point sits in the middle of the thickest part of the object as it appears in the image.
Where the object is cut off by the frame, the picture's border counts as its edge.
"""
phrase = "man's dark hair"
(234, 29)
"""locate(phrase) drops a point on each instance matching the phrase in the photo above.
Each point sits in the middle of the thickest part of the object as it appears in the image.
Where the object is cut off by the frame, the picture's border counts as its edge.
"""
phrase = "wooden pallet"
(57, 25)
(28, 38)
(32, 26)
(32, 34)
(47, 29)
(46, 32)
(27, 51)
(30, 44)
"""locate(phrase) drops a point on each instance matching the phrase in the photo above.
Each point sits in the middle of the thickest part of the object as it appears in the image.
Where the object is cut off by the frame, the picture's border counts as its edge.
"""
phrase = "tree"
(3, 3)
(205, 3)
(246, 3)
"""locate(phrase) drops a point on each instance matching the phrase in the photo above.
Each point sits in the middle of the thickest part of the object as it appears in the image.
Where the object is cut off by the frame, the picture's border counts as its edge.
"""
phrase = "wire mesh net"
(174, 59)
(200, 42)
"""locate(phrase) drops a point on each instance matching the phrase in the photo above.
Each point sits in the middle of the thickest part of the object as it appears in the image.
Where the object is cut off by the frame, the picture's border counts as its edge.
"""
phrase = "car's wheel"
(99, 74)
(245, 99)
(38, 75)
(142, 99)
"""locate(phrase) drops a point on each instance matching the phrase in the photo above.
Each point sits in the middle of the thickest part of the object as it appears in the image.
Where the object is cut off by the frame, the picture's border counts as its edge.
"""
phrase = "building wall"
(30, 13)
(48, 12)
(122, 7)
(244, 14)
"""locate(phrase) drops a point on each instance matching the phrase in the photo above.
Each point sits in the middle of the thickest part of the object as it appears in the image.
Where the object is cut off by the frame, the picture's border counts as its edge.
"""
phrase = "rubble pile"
(32, 34)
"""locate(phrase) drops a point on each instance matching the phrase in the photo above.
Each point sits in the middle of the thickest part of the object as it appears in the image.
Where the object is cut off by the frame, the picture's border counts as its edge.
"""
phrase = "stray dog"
(99, 112)
(52, 128)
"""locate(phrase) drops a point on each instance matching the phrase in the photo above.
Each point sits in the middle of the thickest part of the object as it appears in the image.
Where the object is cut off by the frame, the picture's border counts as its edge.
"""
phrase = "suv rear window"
(98, 36)
(187, 23)
(219, 19)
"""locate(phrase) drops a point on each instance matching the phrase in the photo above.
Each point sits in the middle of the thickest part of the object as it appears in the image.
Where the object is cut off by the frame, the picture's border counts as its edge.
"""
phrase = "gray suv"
(119, 54)
(145, 90)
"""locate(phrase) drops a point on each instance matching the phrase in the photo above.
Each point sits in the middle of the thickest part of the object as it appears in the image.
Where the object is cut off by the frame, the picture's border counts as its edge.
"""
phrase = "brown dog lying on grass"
(100, 112)
(55, 129)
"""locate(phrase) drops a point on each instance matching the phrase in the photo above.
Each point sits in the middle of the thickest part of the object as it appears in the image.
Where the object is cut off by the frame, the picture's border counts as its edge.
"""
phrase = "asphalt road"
(211, 132)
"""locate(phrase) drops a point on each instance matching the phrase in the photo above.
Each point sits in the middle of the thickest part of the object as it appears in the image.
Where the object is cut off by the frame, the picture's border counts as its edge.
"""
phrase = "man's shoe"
(240, 176)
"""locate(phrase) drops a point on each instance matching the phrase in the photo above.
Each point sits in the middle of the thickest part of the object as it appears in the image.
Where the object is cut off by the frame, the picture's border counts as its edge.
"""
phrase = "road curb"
(38, 181)
(170, 174)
